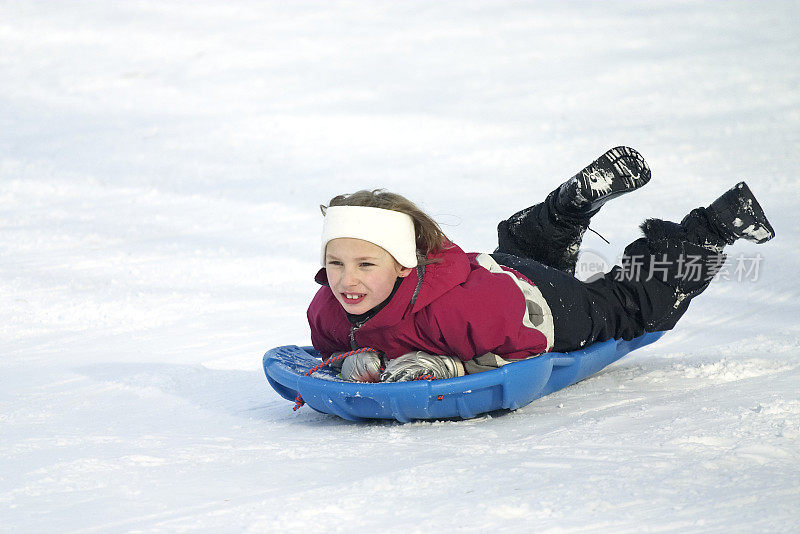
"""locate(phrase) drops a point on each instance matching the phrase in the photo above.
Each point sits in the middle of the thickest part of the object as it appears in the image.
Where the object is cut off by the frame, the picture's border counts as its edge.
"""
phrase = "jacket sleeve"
(330, 330)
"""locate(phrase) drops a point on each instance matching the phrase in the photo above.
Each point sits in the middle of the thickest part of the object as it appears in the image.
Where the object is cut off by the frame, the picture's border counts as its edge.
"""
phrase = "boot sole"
(618, 171)
(760, 231)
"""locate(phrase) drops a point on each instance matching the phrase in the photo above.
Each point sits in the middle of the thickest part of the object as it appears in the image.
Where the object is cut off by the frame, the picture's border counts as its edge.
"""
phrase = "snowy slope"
(161, 164)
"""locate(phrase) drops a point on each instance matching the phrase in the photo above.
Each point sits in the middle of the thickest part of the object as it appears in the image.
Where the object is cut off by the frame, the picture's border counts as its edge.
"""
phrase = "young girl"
(393, 282)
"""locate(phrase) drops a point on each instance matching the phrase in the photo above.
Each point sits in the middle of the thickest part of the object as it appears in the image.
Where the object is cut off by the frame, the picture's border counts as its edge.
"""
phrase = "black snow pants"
(651, 289)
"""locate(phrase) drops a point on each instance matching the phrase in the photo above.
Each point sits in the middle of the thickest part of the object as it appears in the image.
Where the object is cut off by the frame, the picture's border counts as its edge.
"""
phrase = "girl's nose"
(350, 278)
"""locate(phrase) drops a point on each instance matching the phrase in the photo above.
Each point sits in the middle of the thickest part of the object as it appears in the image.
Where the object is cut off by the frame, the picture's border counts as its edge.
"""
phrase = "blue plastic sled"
(509, 387)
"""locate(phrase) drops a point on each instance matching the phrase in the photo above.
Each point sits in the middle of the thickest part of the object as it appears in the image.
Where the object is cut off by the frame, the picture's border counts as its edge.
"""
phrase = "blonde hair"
(429, 236)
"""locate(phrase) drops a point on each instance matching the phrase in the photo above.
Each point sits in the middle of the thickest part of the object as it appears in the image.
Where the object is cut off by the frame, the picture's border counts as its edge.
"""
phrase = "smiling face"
(360, 274)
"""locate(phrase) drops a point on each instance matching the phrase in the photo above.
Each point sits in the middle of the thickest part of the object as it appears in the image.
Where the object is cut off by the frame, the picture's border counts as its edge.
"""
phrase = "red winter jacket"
(461, 310)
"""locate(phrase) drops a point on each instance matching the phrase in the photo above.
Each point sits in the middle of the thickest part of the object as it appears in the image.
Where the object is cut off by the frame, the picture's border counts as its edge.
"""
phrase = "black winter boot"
(737, 214)
(543, 234)
(618, 171)
(551, 232)
(687, 256)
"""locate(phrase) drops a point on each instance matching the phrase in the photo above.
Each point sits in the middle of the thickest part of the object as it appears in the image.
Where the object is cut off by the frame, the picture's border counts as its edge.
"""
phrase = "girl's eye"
(366, 264)
(334, 263)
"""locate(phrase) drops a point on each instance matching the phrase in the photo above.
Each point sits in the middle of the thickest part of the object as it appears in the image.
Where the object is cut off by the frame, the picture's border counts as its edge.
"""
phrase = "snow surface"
(161, 164)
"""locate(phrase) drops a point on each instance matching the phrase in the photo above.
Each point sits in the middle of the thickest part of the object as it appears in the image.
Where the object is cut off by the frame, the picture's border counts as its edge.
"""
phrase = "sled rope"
(298, 401)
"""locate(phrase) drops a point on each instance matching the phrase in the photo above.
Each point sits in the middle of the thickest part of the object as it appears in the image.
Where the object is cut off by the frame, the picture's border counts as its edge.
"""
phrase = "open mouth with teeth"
(353, 298)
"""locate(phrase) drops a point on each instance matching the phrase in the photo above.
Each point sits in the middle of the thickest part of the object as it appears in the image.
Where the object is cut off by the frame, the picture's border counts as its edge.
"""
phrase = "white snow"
(161, 167)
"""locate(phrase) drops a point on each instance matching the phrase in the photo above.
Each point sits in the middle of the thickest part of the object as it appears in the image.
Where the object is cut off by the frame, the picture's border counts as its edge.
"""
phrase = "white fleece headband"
(391, 230)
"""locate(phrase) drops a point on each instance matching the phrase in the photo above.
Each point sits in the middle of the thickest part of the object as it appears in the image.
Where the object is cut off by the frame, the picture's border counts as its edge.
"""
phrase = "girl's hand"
(416, 364)
(363, 367)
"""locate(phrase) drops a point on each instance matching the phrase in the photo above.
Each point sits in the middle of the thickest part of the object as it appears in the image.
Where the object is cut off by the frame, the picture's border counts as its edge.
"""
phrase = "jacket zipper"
(353, 328)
